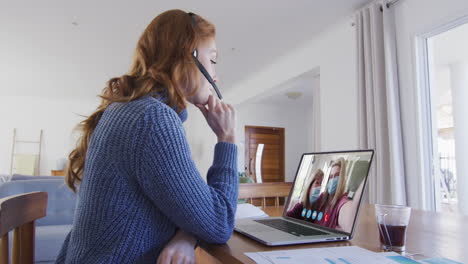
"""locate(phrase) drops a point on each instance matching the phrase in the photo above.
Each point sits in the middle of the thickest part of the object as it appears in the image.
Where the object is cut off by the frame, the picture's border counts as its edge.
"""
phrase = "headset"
(200, 66)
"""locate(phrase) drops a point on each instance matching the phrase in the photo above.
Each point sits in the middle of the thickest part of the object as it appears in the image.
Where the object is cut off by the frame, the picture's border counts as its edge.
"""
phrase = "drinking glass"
(393, 221)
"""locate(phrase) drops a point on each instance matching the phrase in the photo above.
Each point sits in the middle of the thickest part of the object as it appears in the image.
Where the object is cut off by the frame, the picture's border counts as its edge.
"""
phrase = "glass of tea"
(392, 221)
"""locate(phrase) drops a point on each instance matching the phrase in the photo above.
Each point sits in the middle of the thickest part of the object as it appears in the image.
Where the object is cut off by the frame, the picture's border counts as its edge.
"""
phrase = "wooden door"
(272, 163)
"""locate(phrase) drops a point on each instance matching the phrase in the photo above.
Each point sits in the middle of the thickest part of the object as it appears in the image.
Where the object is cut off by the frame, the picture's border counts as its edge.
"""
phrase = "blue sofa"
(52, 229)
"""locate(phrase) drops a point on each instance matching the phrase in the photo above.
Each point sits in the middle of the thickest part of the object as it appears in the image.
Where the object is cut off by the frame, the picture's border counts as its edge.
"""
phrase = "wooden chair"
(264, 190)
(18, 213)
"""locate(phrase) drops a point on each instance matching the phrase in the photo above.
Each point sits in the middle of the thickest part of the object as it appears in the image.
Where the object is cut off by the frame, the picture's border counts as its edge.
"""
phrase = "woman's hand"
(221, 117)
(180, 250)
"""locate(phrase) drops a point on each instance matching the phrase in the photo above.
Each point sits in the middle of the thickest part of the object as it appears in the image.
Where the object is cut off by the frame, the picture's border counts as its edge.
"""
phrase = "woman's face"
(335, 172)
(333, 180)
(207, 55)
(318, 181)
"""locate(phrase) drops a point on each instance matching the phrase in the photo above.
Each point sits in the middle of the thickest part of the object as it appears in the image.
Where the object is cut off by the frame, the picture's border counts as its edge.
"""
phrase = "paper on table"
(248, 211)
(439, 261)
(398, 258)
(419, 257)
(330, 255)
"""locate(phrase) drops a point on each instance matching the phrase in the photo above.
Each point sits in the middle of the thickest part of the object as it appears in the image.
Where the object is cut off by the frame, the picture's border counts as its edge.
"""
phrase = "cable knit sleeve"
(169, 178)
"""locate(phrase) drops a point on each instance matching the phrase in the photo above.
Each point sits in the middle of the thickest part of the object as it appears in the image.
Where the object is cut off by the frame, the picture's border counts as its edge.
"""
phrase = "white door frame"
(428, 131)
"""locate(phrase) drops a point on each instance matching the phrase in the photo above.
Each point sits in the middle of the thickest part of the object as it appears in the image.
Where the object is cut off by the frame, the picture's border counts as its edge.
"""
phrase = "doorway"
(444, 79)
(264, 153)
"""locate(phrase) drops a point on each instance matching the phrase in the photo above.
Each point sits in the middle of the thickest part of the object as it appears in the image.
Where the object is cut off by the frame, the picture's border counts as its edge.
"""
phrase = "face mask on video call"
(314, 194)
(332, 185)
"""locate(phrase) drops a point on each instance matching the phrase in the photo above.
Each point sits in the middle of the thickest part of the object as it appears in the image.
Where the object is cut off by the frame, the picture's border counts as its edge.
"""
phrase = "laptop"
(323, 203)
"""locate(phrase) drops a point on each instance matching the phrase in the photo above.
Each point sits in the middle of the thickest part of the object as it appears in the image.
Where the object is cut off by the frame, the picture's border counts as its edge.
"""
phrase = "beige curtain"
(379, 119)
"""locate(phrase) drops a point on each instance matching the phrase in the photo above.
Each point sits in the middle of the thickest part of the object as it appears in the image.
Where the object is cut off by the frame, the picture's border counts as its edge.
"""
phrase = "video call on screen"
(328, 188)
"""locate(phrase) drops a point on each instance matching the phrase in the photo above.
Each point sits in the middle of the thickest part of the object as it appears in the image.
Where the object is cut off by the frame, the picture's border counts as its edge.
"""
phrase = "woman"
(141, 198)
(334, 196)
(308, 200)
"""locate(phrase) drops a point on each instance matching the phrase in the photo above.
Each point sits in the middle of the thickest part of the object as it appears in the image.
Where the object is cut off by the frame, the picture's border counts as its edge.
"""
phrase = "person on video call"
(141, 198)
(341, 214)
(309, 199)
(334, 196)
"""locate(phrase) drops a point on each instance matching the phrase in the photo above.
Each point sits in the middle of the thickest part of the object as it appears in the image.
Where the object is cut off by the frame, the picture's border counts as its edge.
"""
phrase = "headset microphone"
(206, 74)
(200, 66)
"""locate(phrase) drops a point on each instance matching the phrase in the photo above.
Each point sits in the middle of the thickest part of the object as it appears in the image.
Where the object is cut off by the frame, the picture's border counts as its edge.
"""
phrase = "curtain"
(379, 120)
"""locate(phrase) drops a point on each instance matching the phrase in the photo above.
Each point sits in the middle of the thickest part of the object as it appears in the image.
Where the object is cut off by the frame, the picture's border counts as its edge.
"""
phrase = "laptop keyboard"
(291, 228)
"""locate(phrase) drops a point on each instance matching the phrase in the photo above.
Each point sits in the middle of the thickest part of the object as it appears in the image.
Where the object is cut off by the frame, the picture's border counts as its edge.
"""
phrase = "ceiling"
(71, 48)
(304, 84)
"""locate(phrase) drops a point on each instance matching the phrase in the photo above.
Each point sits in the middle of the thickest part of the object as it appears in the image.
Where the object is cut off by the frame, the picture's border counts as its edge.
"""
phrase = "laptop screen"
(328, 188)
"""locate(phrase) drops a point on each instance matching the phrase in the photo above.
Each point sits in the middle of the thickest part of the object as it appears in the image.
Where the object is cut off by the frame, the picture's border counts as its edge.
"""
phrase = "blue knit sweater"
(140, 185)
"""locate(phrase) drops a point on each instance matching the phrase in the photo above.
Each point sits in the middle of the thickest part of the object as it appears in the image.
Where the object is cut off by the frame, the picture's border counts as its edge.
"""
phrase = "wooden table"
(429, 235)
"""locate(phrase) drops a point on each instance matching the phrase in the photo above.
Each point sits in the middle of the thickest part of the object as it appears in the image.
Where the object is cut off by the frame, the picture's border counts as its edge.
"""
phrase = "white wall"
(413, 18)
(57, 118)
(201, 139)
(459, 81)
(334, 51)
(292, 119)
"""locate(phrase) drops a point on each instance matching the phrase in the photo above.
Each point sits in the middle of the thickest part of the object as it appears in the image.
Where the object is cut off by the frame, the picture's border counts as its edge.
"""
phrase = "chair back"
(264, 190)
(19, 213)
(61, 201)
